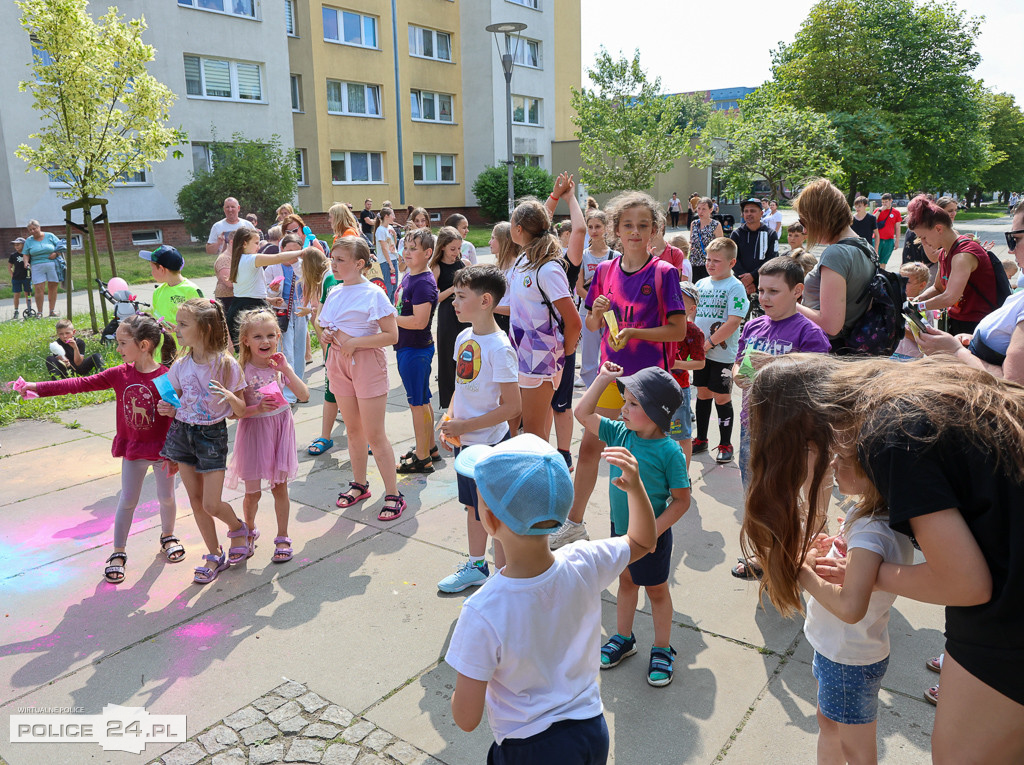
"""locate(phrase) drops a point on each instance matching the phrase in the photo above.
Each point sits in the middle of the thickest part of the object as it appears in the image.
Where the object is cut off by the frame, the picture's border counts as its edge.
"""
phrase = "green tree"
(491, 187)
(1007, 136)
(871, 155)
(261, 174)
(629, 131)
(103, 115)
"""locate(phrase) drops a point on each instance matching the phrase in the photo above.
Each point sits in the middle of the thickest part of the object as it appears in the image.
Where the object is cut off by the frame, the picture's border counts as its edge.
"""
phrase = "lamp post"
(507, 63)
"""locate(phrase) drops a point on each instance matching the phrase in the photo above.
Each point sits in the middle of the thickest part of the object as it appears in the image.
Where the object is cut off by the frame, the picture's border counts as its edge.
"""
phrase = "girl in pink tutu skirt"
(265, 441)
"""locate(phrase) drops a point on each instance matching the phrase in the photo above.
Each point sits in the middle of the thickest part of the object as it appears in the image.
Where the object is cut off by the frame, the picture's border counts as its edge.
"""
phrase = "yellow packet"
(613, 330)
(449, 441)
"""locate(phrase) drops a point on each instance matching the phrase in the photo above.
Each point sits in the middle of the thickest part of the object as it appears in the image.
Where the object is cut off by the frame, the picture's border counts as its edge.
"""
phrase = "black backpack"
(881, 326)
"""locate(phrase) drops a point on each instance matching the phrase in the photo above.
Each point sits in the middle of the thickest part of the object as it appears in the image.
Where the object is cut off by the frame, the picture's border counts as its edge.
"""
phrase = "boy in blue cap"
(526, 642)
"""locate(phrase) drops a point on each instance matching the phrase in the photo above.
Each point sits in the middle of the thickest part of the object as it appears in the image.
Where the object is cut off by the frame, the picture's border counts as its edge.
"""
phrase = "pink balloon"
(116, 285)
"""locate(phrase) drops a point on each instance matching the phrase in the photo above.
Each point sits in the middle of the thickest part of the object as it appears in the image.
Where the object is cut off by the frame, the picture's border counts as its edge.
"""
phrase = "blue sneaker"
(465, 576)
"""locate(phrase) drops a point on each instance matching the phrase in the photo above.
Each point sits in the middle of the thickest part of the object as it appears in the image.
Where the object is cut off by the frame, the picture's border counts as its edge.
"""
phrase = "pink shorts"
(528, 381)
(365, 375)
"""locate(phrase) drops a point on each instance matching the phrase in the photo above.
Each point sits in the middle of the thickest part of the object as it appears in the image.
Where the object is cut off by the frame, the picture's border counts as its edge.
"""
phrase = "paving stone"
(377, 740)
(243, 718)
(290, 690)
(266, 754)
(218, 739)
(337, 715)
(321, 730)
(293, 724)
(261, 731)
(311, 702)
(359, 731)
(305, 750)
(231, 757)
(268, 703)
(371, 759)
(405, 753)
(340, 754)
(188, 753)
(283, 713)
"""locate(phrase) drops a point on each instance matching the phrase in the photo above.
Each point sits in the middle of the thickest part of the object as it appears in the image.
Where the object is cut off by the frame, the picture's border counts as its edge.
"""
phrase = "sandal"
(435, 454)
(345, 499)
(659, 671)
(206, 574)
(114, 573)
(932, 695)
(416, 465)
(240, 552)
(319, 446)
(935, 664)
(394, 504)
(744, 569)
(282, 554)
(616, 649)
(176, 552)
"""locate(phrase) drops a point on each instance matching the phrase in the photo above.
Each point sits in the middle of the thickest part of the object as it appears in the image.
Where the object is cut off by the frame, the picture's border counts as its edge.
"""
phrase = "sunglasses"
(292, 230)
(1011, 239)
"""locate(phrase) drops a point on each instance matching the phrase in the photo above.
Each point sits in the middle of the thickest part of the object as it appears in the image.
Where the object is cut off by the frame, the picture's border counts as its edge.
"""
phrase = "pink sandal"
(932, 695)
(282, 554)
(395, 504)
(238, 554)
(206, 574)
(345, 499)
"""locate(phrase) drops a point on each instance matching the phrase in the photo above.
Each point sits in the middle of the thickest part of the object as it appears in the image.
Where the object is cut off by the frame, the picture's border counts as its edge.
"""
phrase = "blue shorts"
(570, 742)
(21, 285)
(45, 272)
(414, 369)
(652, 569)
(681, 428)
(467, 486)
(848, 694)
(204, 447)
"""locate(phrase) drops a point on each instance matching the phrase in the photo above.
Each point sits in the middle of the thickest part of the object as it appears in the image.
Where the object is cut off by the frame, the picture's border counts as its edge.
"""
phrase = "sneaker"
(724, 454)
(570, 532)
(700, 445)
(578, 383)
(467, 575)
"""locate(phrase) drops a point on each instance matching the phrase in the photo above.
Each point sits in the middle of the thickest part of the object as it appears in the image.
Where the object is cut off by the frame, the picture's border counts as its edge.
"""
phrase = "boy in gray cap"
(651, 397)
(526, 642)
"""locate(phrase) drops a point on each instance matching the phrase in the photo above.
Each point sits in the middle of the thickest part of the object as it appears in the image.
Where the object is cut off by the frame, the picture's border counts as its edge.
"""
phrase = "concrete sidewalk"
(356, 619)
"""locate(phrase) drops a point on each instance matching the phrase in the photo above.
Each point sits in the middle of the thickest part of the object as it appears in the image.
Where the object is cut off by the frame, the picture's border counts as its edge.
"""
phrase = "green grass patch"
(983, 213)
(25, 345)
(480, 236)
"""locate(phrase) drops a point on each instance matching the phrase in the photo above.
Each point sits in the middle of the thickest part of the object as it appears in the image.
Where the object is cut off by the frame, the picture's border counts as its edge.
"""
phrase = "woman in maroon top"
(965, 285)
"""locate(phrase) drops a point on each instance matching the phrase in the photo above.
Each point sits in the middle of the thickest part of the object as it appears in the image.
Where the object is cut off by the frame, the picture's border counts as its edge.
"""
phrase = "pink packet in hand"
(275, 283)
(272, 392)
(18, 386)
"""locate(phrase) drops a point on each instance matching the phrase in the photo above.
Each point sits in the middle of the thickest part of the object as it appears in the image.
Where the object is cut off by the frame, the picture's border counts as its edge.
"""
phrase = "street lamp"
(508, 61)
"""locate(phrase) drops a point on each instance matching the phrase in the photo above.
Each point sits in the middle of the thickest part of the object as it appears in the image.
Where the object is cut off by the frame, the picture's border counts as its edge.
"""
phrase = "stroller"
(125, 304)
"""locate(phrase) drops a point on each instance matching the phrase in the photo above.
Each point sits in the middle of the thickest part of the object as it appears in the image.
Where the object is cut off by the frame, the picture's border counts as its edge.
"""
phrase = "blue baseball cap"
(165, 256)
(524, 481)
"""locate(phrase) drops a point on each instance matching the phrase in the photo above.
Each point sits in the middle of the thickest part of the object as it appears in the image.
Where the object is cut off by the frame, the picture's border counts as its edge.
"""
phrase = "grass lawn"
(25, 345)
(982, 213)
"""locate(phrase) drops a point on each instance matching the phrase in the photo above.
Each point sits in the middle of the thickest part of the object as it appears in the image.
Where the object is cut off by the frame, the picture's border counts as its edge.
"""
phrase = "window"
(202, 160)
(129, 179)
(529, 160)
(431, 107)
(41, 56)
(426, 43)
(289, 18)
(353, 98)
(153, 236)
(76, 242)
(221, 79)
(357, 167)
(246, 8)
(433, 168)
(296, 82)
(535, 4)
(300, 167)
(527, 53)
(525, 110)
(350, 28)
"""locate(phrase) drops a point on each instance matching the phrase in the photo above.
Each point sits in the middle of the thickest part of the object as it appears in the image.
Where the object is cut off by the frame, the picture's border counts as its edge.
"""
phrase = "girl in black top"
(444, 264)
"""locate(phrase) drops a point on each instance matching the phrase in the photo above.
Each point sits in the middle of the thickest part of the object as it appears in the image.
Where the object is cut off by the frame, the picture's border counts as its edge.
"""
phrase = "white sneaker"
(579, 383)
(570, 532)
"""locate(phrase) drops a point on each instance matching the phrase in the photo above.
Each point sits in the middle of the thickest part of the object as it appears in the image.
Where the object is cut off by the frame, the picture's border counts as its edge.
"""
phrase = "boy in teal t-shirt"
(651, 398)
(166, 264)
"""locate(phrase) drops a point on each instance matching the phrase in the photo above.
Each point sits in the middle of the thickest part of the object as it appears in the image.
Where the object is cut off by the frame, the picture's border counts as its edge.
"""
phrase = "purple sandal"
(345, 499)
(393, 503)
(206, 574)
(282, 554)
(242, 552)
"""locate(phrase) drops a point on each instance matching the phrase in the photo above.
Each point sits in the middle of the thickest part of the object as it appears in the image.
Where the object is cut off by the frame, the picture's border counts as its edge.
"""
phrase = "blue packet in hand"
(166, 390)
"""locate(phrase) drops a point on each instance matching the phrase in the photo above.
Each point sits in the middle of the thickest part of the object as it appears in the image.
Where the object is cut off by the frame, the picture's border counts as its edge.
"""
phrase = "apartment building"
(227, 61)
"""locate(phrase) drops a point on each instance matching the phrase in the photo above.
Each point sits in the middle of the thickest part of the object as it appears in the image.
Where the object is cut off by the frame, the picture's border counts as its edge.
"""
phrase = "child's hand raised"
(610, 370)
(562, 184)
(623, 458)
(278, 360)
(601, 305)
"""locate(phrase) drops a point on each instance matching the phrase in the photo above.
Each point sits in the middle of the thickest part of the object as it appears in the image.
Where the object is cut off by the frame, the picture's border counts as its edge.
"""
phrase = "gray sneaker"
(570, 532)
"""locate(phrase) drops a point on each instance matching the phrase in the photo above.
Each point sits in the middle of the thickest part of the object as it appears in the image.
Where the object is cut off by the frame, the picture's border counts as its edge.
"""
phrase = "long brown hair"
(213, 329)
(445, 236)
(822, 404)
(544, 246)
(242, 236)
(507, 249)
(142, 326)
(315, 266)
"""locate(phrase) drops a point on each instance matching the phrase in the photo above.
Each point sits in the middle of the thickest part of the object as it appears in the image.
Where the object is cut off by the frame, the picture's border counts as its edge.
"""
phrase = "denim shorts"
(21, 285)
(848, 694)
(204, 447)
(652, 569)
(414, 369)
(681, 427)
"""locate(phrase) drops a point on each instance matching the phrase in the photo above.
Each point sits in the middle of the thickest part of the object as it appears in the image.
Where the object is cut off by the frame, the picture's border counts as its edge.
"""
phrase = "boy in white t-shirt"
(486, 398)
(526, 645)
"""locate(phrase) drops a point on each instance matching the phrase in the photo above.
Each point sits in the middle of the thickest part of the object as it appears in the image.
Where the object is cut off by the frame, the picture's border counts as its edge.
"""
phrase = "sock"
(567, 456)
(725, 422)
(703, 417)
(570, 523)
(476, 559)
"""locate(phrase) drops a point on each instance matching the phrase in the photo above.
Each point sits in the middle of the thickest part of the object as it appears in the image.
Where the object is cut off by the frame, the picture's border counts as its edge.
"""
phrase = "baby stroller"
(125, 304)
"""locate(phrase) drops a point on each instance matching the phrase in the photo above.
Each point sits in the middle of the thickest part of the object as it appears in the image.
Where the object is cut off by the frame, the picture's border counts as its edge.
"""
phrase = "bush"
(261, 175)
(491, 187)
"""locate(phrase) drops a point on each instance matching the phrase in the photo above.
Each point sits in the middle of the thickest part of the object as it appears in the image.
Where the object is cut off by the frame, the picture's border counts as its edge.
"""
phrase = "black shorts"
(716, 376)
(204, 447)
(467, 486)
(652, 569)
(561, 400)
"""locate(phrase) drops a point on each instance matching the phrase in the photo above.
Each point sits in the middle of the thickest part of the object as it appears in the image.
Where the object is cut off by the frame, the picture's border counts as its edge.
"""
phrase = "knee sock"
(725, 422)
(703, 417)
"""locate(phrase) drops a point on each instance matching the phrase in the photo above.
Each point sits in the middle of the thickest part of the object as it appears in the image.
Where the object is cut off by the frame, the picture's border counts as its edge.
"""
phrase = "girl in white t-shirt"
(358, 321)
(246, 275)
(847, 625)
(387, 251)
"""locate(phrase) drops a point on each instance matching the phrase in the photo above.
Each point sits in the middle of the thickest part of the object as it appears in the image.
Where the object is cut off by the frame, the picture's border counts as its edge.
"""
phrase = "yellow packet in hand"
(613, 330)
(449, 441)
